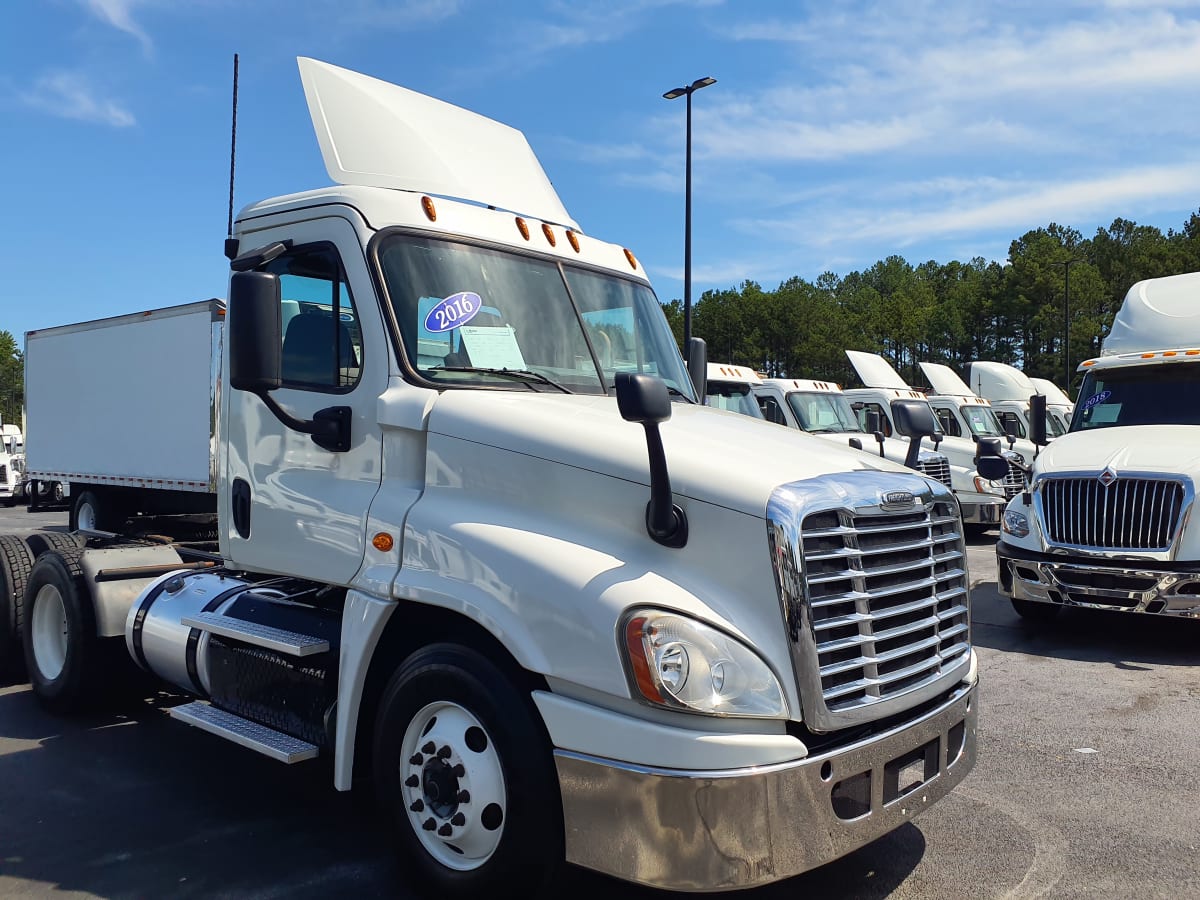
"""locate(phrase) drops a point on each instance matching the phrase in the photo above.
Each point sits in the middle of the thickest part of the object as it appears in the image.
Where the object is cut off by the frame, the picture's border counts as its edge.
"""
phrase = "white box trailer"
(122, 413)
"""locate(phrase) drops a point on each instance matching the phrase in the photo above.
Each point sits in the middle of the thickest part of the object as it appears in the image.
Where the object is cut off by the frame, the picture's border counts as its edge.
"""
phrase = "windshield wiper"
(522, 374)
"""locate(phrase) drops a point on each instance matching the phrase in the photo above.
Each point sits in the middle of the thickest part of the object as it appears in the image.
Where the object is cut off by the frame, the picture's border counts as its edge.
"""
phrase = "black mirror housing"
(1037, 420)
(642, 398)
(914, 418)
(993, 468)
(255, 330)
(697, 365)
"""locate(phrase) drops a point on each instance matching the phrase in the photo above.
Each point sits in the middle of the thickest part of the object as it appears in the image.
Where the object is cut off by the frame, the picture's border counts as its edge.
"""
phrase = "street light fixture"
(1066, 264)
(675, 94)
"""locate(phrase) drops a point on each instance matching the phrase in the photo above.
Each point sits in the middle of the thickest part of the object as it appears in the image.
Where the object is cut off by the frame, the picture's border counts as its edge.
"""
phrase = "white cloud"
(69, 95)
(398, 15)
(119, 14)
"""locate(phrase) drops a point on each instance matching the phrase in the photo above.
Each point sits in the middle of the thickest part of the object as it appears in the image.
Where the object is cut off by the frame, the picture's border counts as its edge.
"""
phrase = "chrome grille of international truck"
(935, 467)
(1112, 513)
(872, 575)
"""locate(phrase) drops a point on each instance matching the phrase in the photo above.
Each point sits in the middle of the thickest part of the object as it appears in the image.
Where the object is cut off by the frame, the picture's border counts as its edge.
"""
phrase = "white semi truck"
(1058, 405)
(982, 497)
(1008, 390)
(12, 463)
(1107, 521)
(147, 448)
(480, 544)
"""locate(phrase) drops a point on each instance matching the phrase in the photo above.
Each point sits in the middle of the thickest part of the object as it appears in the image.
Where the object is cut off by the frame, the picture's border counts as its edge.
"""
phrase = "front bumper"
(981, 509)
(705, 831)
(1120, 585)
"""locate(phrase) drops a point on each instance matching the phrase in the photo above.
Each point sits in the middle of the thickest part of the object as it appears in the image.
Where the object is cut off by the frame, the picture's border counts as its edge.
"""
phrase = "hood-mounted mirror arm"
(644, 399)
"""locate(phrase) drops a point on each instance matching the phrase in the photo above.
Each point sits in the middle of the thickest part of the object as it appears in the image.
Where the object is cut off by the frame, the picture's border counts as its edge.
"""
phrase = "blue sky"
(837, 134)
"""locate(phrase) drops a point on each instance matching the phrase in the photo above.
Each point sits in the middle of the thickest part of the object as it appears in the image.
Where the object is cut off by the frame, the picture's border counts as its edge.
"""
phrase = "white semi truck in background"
(1107, 521)
(12, 463)
(480, 543)
(1008, 390)
(1058, 405)
(147, 448)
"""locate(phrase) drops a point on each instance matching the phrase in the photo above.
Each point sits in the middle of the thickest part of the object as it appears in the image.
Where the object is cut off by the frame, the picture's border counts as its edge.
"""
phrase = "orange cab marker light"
(637, 659)
(522, 227)
(1170, 353)
(1191, 352)
(430, 212)
(383, 542)
(1090, 362)
(549, 233)
(632, 261)
(1147, 356)
(573, 240)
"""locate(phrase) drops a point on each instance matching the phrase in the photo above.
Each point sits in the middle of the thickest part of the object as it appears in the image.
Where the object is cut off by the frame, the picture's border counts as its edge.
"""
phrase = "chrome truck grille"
(935, 467)
(871, 573)
(1014, 481)
(1108, 512)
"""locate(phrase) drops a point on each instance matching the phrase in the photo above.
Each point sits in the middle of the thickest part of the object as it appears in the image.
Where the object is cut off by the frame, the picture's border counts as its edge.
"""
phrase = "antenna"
(231, 243)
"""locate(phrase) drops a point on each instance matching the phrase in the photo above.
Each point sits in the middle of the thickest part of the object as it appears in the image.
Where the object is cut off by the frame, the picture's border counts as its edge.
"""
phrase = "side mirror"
(872, 420)
(988, 461)
(644, 399)
(915, 420)
(255, 332)
(856, 443)
(697, 364)
(1037, 420)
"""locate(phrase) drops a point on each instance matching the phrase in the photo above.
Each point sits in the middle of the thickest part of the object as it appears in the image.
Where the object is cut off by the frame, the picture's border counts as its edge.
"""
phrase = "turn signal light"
(382, 542)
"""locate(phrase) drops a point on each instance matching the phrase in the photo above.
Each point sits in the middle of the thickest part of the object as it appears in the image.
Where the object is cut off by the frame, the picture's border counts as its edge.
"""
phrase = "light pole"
(1066, 264)
(674, 94)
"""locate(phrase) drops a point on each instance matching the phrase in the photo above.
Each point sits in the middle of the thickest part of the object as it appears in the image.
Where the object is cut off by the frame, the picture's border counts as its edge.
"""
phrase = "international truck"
(1107, 520)
(147, 448)
(1008, 390)
(982, 497)
(482, 548)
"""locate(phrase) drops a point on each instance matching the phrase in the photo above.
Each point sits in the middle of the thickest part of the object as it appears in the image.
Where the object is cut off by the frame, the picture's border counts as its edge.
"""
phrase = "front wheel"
(464, 773)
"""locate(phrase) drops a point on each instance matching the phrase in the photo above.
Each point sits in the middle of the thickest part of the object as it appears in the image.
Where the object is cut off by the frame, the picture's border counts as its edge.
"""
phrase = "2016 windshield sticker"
(457, 309)
(1096, 399)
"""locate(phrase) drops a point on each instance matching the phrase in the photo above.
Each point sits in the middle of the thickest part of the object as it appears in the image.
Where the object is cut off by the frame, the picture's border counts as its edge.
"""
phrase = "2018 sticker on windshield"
(1096, 399)
(456, 310)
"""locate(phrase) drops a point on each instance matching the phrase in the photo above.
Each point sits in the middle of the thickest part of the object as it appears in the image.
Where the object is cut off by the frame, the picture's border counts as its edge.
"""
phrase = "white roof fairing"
(378, 134)
(1158, 314)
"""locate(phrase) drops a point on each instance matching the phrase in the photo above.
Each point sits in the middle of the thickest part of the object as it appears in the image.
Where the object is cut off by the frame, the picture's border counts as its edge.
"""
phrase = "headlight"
(1015, 523)
(983, 486)
(680, 663)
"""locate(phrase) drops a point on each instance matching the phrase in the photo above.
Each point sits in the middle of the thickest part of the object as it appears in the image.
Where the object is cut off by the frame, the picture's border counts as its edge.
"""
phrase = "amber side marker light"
(382, 542)
(632, 260)
(522, 227)
(1191, 352)
(1090, 362)
(634, 637)
(573, 240)
(430, 211)
(549, 233)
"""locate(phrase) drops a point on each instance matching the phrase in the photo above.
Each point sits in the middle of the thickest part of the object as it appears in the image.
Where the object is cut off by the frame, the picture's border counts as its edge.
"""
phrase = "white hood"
(1145, 448)
(999, 382)
(875, 371)
(378, 134)
(945, 381)
(720, 457)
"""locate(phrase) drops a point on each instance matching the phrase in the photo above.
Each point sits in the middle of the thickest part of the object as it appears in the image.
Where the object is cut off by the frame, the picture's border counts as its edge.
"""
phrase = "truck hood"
(1144, 448)
(713, 456)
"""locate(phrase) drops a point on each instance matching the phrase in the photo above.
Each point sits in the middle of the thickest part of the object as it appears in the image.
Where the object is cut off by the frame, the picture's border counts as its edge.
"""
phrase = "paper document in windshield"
(492, 347)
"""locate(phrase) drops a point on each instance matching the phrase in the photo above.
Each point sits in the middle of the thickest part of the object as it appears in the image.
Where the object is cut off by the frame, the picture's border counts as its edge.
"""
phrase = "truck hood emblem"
(901, 499)
(1107, 477)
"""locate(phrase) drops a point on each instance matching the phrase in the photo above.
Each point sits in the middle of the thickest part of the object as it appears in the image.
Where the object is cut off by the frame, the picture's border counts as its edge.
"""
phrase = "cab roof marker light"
(430, 210)
(632, 260)
(1191, 352)
(522, 227)
(1147, 356)
(549, 233)
(1089, 362)
(1170, 353)
(573, 240)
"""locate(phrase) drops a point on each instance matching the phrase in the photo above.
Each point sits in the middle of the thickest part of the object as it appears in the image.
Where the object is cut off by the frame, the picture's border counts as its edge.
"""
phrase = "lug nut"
(445, 830)
(444, 753)
(412, 781)
(416, 760)
(458, 820)
(459, 770)
(418, 806)
(429, 824)
(429, 747)
(464, 796)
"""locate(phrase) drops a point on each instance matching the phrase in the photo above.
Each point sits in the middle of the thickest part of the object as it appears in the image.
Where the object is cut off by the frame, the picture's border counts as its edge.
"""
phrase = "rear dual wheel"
(16, 561)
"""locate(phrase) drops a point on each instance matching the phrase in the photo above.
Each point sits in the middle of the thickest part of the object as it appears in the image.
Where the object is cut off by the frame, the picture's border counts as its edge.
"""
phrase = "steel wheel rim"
(85, 520)
(48, 630)
(447, 751)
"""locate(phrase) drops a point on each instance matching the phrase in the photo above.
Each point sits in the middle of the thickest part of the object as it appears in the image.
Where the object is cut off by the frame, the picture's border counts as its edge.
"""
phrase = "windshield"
(822, 413)
(1141, 395)
(733, 396)
(1060, 419)
(464, 310)
(1054, 427)
(981, 420)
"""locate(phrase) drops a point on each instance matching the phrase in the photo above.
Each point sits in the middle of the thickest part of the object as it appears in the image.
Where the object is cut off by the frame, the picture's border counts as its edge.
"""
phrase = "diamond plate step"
(289, 642)
(267, 741)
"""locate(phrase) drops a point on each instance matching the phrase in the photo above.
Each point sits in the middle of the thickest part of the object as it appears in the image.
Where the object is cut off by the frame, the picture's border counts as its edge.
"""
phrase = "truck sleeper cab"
(1008, 391)
(442, 561)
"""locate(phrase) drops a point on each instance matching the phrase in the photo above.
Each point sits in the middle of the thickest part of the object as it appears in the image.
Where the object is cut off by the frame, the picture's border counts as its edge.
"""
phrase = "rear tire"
(62, 651)
(16, 562)
(1036, 612)
(466, 779)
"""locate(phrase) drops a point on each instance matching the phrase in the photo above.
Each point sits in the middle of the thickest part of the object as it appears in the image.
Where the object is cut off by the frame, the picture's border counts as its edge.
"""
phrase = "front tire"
(465, 776)
(61, 647)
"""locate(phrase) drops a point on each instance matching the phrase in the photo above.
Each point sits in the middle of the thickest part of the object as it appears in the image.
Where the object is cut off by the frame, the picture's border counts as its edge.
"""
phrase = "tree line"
(12, 379)
(953, 313)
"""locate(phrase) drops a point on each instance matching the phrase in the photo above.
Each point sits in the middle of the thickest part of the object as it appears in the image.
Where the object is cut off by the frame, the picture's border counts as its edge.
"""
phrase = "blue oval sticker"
(457, 309)
(1097, 399)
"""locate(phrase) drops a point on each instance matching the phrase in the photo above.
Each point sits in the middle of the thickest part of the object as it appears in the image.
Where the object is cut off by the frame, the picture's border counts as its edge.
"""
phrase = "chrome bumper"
(1122, 587)
(982, 513)
(705, 831)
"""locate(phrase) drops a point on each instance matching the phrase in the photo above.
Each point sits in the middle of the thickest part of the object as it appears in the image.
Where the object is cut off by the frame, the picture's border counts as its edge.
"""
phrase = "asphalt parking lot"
(1087, 786)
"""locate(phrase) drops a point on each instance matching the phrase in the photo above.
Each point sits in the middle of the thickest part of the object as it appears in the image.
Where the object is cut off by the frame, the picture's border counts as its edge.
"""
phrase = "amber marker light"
(382, 542)
(522, 227)
(430, 211)
(634, 638)
(1191, 352)
(549, 233)
(573, 240)
(1090, 362)
(1147, 356)
(629, 256)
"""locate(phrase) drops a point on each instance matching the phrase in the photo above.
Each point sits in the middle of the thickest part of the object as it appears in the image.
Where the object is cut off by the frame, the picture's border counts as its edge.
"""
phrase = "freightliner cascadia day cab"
(1008, 390)
(820, 408)
(148, 448)
(481, 545)
(1107, 520)
(981, 498)
(730, 387)
(1058, 404)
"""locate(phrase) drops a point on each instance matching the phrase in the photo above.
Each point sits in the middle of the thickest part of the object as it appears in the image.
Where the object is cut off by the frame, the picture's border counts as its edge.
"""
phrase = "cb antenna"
(231, 243)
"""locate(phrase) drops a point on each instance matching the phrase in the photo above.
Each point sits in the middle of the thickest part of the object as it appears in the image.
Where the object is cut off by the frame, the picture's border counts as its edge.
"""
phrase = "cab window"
(948, 421)
(885, 424)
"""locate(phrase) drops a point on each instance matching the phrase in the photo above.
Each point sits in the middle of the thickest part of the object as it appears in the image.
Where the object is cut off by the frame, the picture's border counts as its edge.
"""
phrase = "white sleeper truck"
(1107, 521)
(1008, 390)
(481, 545)
(1058, 405)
